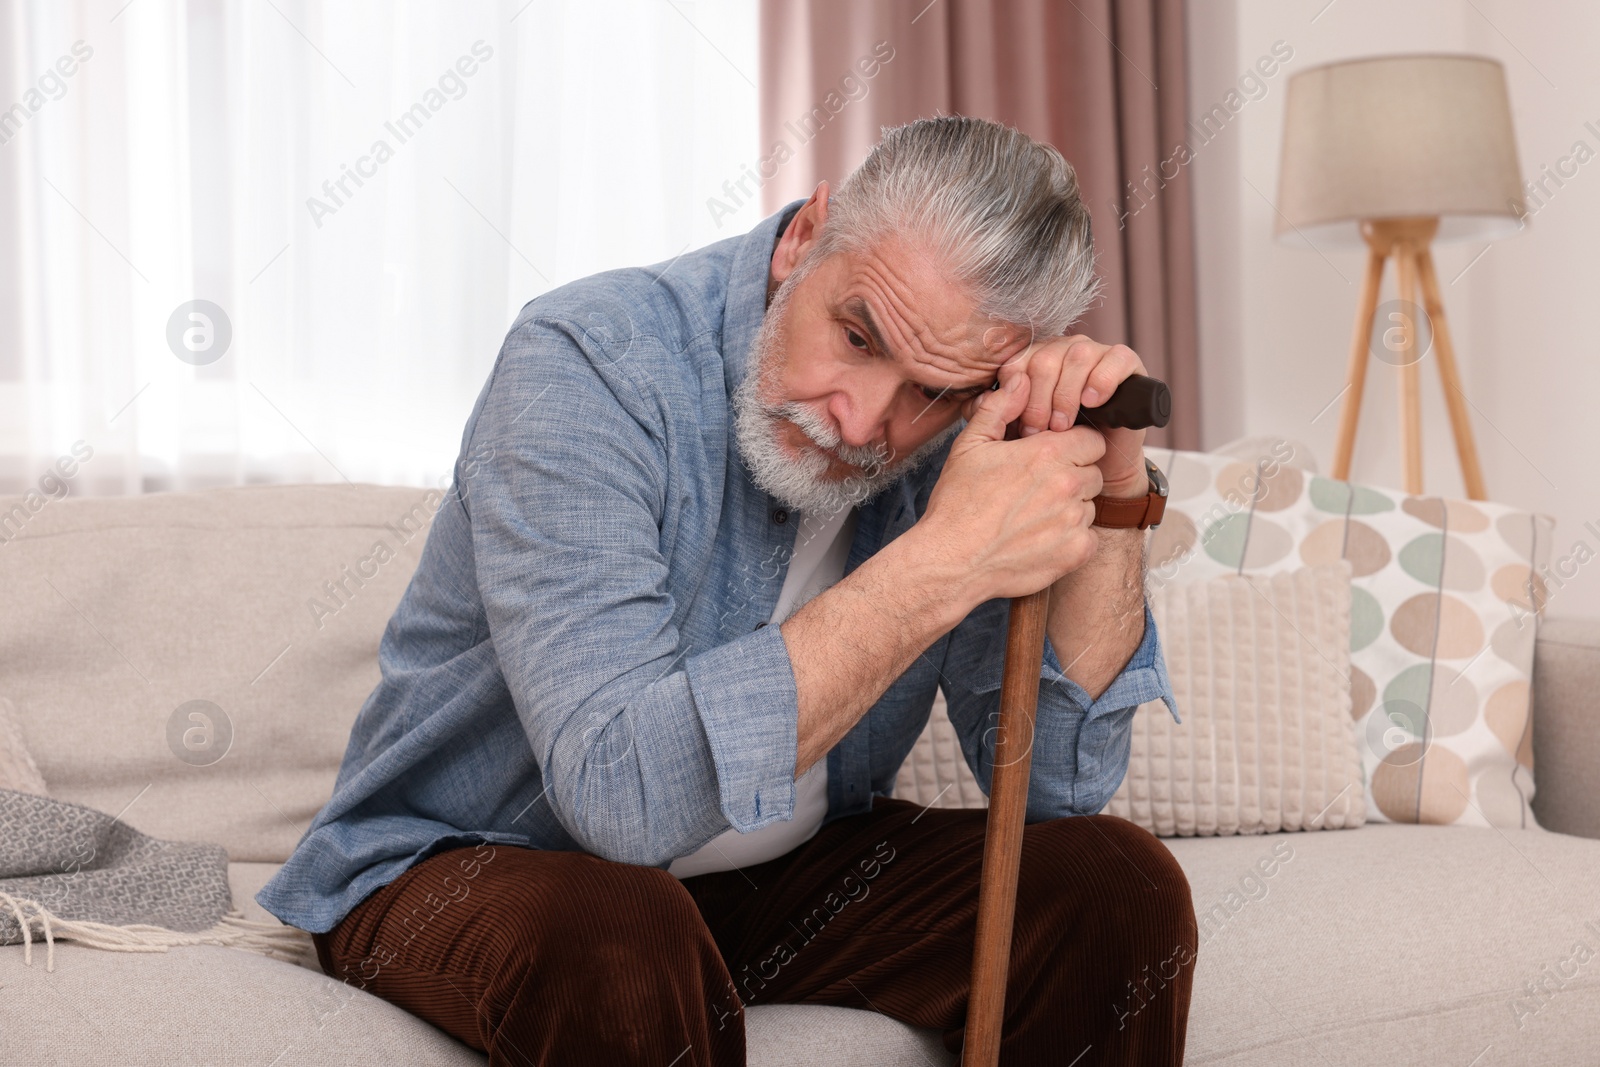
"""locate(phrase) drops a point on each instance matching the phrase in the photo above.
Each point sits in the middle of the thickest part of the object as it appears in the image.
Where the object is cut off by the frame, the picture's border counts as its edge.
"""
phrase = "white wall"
(1276, 319)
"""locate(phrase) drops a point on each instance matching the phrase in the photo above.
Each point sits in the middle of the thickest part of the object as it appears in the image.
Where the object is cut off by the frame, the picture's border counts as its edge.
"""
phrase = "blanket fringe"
(233, 930)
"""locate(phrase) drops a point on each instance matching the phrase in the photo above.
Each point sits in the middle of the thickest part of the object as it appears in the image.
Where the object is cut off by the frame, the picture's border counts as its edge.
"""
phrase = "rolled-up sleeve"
(647, 745)
(1081, 746)
(754, 753)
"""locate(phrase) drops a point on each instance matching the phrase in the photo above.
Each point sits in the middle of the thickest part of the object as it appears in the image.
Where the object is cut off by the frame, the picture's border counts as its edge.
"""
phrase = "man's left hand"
(1064, 372)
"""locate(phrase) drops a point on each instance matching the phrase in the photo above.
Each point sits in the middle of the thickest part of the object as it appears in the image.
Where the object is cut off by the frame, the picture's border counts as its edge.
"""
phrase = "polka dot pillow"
(1446, 597)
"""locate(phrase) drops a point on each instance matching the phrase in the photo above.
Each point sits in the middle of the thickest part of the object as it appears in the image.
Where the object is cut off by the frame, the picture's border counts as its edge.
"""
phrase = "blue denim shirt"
(578, 661)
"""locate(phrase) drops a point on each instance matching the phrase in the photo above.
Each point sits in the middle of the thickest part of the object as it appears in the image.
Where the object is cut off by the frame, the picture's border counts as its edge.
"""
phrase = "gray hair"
(1000, 210)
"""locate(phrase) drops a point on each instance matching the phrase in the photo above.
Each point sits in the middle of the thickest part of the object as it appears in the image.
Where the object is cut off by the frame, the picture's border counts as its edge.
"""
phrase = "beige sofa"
(1386, 944)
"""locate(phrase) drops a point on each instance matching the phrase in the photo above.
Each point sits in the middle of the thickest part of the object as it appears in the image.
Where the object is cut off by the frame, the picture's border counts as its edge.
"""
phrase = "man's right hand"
(1015, 514)
(1005, 519)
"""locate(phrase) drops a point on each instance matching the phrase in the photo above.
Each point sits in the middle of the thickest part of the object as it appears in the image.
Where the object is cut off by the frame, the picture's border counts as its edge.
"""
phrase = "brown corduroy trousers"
(564, 958)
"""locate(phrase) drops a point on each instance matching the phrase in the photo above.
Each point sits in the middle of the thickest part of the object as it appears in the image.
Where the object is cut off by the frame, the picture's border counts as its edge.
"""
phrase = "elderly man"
(728, 523)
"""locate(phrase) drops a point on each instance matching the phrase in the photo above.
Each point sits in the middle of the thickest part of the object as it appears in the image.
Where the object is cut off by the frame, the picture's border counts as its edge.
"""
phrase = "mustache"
(825, 437)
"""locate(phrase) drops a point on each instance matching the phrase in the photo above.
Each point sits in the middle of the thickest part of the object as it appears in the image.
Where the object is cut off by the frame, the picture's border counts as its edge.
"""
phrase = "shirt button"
(759, 625)
(780, 516)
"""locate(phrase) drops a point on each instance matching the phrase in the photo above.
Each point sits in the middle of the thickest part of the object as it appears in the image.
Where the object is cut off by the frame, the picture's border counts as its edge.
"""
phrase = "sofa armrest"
(1566, 726)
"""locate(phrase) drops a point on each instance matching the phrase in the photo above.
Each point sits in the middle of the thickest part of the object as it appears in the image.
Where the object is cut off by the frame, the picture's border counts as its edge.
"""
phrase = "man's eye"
(852, 337)
(936, 394)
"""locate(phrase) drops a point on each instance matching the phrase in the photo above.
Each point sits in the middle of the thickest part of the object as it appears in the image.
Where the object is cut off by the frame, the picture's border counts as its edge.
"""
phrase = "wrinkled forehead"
(918, 311)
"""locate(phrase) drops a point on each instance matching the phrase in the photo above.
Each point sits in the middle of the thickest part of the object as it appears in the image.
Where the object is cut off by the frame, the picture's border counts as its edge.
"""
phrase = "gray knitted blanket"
(71, 872)
(83, 864)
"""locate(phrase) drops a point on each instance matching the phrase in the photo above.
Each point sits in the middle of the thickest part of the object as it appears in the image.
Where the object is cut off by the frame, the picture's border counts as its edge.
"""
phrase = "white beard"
(801, 482)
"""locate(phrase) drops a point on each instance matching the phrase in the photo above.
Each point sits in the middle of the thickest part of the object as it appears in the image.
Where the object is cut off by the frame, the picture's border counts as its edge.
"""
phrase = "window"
(362, 196)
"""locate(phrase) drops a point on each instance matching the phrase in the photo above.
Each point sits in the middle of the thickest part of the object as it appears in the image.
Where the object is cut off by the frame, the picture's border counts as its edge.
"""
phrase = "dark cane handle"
(1138, 402)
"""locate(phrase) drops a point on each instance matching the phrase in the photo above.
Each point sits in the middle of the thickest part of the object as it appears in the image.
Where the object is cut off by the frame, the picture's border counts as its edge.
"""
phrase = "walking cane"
(1138, 402)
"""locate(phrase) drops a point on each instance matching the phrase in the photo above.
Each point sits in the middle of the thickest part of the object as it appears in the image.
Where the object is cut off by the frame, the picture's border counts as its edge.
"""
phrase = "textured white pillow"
(1260, 666)
(1260, 670)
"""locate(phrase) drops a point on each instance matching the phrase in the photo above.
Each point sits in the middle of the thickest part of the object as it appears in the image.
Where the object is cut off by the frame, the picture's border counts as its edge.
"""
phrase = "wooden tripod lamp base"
(1409, 242)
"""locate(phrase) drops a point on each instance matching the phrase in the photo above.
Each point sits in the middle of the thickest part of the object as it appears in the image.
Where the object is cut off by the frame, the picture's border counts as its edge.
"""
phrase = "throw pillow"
(1260, 669)
(1445, 603)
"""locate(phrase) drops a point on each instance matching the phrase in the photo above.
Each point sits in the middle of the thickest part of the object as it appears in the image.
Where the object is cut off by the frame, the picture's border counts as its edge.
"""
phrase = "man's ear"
(802, 233)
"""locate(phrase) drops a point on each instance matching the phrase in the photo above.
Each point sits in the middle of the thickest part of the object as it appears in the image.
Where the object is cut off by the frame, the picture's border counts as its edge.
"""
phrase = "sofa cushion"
(202, 1004)
(818, 1035)
(205, 1004)
(17, 769)
(194, 661)
(1394, 944)
(1566, 741)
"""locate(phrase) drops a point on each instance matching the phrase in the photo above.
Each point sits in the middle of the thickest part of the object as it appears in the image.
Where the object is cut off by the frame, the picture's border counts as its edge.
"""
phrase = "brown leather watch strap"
(1139, 512)
(1135, 512)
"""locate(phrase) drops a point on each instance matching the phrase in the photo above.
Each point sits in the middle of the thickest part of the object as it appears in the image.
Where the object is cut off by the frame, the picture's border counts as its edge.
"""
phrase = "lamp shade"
(1397, 137)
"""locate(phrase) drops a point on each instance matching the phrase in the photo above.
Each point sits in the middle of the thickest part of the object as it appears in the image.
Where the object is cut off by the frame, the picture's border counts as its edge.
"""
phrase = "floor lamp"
(1401, 152)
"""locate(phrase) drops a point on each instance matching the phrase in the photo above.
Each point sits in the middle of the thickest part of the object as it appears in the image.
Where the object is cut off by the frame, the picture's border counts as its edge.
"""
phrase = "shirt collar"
(747, 292)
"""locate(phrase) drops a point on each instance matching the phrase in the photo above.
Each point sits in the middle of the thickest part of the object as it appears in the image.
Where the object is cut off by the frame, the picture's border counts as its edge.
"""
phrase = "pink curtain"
(1102, 80)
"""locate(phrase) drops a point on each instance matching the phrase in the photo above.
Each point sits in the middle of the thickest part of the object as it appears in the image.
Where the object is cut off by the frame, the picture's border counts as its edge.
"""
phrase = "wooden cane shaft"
(1002, 850)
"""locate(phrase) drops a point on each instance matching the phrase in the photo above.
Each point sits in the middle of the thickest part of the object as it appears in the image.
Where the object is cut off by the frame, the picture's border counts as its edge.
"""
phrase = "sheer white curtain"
(363, 193)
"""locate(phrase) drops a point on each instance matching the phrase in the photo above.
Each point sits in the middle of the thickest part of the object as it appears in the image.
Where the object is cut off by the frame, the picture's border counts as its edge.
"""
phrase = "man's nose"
(862, 413)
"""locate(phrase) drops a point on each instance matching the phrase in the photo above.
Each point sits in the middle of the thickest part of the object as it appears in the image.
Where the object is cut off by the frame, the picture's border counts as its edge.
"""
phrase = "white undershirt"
(821, 548)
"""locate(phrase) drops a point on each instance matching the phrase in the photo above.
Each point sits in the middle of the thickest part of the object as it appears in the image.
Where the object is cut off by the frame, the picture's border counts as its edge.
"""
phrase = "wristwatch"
(1136, 512)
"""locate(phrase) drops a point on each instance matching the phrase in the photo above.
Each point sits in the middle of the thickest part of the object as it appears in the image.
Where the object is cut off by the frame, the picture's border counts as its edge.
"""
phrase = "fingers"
(995, 410)
(1075, 451)
(1081, 446)
(1095, 372)
(1094, 483)
(1080, 358)
(1113, 367)
(1044, 369)
(1070, 470)
(1064, 373)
